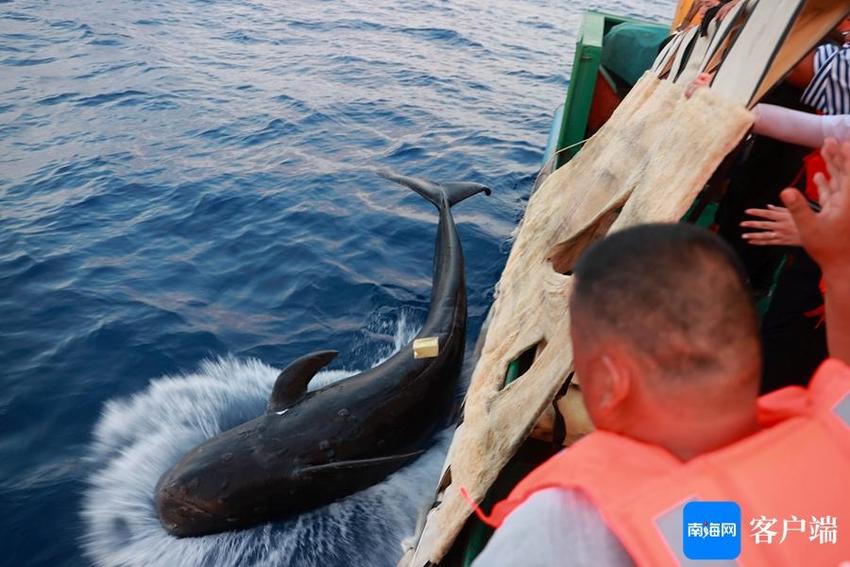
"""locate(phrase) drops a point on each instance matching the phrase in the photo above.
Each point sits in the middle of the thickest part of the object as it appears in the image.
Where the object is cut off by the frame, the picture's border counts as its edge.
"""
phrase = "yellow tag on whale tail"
(427, 347)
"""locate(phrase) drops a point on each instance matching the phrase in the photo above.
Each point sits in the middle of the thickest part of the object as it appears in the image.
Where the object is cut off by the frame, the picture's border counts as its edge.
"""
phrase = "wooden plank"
(726, 31)
(706, 52)
(684, 52)
(664, 60)
(685, 12)
(755, 49)
(693, 66)
(816, 20)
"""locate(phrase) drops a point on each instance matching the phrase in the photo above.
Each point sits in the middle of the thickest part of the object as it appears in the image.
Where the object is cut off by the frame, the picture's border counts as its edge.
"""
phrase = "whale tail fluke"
(438, 193)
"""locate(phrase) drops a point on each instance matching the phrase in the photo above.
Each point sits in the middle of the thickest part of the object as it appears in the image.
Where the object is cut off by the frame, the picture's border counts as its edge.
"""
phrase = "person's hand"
(702, 80)
(826, 235)
(777, 228)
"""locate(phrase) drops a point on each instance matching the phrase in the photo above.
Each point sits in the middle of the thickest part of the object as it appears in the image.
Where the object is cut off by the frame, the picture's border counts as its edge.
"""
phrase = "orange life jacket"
(798, 464)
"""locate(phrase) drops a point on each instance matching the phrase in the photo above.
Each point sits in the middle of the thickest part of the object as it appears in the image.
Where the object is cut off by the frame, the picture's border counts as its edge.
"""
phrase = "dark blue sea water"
(187, 186)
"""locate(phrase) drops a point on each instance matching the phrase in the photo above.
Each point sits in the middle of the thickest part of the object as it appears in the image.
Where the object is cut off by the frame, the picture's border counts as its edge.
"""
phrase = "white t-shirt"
(554, 527)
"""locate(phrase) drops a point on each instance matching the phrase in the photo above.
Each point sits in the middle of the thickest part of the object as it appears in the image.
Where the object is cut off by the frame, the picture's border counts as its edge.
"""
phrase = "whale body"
(311, 448)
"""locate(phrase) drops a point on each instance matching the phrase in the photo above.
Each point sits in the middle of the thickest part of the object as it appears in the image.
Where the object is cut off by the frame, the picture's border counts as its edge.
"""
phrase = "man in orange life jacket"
(665, 341)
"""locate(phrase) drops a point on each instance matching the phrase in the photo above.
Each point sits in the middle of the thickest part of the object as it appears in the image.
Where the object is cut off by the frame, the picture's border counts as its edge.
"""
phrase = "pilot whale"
(311, 448)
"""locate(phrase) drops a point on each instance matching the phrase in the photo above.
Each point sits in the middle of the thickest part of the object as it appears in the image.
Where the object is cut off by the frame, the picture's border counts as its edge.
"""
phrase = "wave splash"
(138, 438)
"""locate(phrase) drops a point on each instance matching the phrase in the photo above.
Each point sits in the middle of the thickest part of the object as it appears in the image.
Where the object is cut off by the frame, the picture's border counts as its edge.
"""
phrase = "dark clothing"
(794, 337)
(794, 343)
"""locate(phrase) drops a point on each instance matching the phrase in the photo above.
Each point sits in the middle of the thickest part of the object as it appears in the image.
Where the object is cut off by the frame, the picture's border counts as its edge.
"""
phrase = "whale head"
(225, 483)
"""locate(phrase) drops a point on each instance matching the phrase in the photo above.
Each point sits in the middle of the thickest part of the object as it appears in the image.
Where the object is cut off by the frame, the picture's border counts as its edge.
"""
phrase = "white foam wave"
(138, 438)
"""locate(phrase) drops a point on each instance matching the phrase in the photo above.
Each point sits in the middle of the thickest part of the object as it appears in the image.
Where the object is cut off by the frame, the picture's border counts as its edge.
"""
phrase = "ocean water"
(188, 201)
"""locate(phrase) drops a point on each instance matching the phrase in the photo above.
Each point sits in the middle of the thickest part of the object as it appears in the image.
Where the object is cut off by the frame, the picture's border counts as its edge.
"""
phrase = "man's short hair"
(675, 292)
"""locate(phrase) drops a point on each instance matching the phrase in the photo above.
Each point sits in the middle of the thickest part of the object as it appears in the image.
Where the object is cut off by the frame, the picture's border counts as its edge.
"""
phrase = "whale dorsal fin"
(291, 384)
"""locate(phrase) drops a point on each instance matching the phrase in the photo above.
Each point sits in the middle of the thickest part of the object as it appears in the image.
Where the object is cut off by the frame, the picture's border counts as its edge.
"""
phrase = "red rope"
(477, 509)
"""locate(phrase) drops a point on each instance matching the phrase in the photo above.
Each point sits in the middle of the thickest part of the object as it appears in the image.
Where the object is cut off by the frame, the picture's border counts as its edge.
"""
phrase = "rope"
(546, 170)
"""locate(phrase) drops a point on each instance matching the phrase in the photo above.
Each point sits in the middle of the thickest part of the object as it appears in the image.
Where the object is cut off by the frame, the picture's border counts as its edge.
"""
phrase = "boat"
(650, 154)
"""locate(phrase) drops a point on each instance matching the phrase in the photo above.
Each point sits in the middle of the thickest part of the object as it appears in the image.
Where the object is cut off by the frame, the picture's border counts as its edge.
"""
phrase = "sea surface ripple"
(188, 198)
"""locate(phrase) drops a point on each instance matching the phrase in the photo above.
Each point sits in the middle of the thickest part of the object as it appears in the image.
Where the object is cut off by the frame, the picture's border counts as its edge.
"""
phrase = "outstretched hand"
(826, 235)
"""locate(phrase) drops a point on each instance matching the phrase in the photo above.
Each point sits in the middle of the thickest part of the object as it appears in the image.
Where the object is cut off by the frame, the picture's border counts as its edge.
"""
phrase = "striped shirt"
(829, 90)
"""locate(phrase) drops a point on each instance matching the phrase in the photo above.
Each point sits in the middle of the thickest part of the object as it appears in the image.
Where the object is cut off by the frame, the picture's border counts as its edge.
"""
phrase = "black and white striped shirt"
(829, 90)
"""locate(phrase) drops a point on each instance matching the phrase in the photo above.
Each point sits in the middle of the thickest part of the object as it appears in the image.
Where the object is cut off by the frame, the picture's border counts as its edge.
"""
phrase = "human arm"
(786, 125)
(550, 526)
(801, 128)
(826, 237)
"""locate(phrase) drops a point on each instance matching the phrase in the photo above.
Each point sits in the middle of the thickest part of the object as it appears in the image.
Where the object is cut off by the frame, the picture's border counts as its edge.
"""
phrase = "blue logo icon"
(711, 530)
